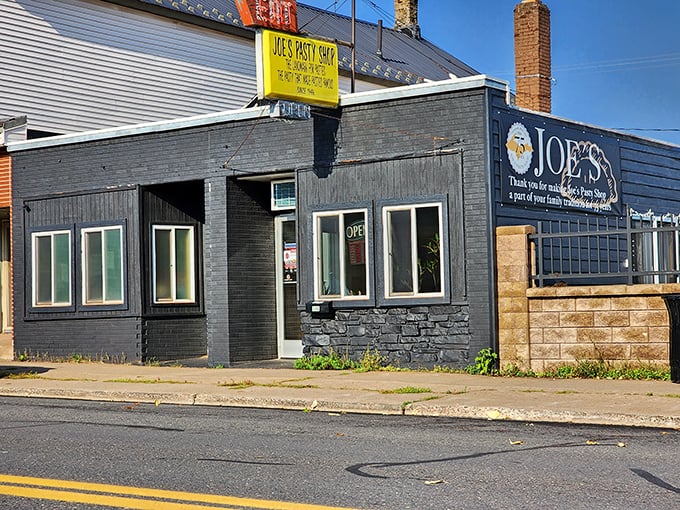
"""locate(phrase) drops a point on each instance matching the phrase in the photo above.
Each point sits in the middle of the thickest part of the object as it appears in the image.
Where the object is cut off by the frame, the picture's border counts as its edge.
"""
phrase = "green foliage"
(485, 363)
(371, 360)
(330, 361)
(429, 264)
(589, 369)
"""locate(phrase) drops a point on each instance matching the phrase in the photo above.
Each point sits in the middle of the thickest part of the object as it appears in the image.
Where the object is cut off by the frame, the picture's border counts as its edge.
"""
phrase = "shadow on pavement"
(15, 371)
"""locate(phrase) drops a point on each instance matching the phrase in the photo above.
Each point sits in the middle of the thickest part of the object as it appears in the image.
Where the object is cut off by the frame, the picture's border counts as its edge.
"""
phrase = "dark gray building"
(246, 237)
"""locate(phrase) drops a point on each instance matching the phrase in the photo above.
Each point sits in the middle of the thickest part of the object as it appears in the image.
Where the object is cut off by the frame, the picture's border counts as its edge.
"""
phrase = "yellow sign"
(298, 69)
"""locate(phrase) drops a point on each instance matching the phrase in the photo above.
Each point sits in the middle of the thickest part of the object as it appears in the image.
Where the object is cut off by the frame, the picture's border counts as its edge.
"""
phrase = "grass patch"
(457, 392)
(407, 390)
(158, 380)
(20, 375)
(240, 385)
(294, 386)
(433, 397)
(237, 385)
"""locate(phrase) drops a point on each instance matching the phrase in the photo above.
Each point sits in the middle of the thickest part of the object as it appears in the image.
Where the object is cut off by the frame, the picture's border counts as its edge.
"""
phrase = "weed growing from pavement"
(407, 389)
(103, 357)
(237, 385)
(158, 380)
(485, 364)
(20, 375)
(370, 361)
(331, 361)
(599, 369)
(240, 385)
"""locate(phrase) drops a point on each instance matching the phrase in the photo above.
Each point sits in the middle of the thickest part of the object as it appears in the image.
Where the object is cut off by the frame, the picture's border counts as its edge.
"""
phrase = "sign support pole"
(354, 45)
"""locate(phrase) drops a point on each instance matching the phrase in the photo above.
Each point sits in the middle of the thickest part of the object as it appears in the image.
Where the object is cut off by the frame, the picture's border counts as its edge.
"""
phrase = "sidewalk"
(279, 386)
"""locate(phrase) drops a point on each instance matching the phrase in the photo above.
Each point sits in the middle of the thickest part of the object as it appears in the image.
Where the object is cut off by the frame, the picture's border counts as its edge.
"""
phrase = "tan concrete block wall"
(619, 327)
(512, 281)
(540, 328)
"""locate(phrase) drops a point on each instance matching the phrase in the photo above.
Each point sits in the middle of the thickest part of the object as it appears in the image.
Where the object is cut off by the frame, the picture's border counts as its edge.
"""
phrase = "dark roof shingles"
(404, 60)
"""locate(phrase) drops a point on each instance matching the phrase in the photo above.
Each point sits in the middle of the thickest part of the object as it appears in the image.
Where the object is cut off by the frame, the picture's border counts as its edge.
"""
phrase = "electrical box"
(320, 309)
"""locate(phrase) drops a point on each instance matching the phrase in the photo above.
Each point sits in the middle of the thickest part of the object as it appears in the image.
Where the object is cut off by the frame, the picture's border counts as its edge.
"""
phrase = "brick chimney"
(406, 17)
(532, 56)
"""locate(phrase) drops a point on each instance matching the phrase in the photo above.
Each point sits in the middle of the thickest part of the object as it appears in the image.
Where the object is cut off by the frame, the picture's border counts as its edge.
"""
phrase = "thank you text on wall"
(552, 165)
(298, 69)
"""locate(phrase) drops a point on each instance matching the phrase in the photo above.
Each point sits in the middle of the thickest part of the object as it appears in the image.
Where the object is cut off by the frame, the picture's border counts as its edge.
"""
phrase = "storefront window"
(173, 264)
(52, 268)
(102, 265)
(340, 255)
(413, 258)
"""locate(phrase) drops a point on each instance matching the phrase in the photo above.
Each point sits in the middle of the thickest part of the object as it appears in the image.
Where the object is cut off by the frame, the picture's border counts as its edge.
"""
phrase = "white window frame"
(34, 276)
(274, 205)
(83, 244)
(650, 246)
(173, 280)
(316, 241)
(387, 248)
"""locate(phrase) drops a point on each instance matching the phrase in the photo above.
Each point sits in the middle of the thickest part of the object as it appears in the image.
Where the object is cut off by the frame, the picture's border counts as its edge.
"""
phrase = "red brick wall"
(5, 181)
(532, 56)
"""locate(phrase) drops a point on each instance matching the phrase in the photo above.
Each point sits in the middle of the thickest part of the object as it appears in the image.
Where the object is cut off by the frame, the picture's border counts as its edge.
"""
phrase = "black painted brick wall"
(259, 145)
(173, 338)
(215, 270)
(394, 129)
(107, 339)
(251, 273)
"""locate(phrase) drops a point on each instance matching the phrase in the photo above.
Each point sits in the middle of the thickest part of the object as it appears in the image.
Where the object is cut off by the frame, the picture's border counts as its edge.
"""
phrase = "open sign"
(355, 231)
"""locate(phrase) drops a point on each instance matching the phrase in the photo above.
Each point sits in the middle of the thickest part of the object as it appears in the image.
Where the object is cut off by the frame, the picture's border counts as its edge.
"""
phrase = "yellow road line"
(97, 499)
(39, 491)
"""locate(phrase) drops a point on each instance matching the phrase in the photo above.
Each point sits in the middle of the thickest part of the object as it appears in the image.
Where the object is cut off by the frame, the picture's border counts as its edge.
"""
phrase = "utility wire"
(381, 12)
(322, 12)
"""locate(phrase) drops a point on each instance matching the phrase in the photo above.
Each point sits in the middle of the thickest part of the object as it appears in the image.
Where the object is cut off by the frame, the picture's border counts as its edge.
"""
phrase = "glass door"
(287, 315)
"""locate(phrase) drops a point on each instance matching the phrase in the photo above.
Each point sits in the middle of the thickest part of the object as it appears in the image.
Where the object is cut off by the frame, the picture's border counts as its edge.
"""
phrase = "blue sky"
(616, 63)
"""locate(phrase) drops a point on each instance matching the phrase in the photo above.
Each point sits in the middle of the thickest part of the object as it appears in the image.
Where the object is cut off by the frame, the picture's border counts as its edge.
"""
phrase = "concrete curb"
(546, 415)
(312, 405)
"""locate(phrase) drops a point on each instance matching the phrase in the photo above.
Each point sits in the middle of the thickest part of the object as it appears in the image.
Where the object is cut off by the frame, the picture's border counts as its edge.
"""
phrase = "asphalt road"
(353, 461)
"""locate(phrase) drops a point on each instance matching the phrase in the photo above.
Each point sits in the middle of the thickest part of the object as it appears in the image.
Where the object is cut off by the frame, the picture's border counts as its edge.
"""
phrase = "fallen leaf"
(621, 444)
(493, 415)
(339, 434)
(157, 403)
(434, 482)
(590, 442)
(516, 443)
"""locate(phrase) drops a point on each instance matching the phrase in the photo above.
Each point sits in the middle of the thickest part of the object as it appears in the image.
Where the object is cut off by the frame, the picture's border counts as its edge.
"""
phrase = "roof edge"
(139, 129)
(402, 92)
(423, 89)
